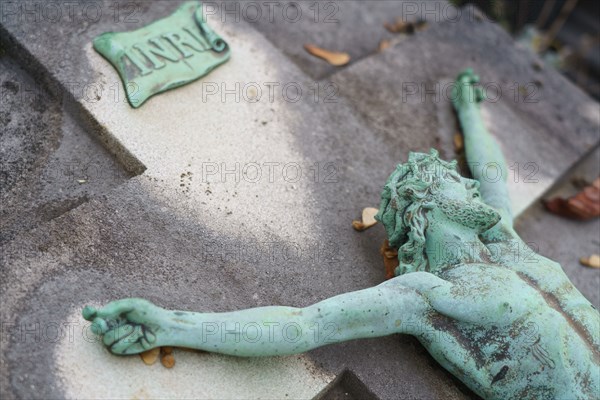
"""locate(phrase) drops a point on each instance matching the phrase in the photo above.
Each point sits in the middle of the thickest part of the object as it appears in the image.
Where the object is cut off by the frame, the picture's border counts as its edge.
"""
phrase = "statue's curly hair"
(407, 194)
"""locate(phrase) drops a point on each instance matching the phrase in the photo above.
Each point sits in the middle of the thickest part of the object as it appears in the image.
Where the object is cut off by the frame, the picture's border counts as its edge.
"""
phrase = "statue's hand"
(464, 92)
(128, 326)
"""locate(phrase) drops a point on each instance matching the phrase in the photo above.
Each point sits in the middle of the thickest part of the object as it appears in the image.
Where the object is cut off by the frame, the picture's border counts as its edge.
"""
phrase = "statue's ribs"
(553, 301)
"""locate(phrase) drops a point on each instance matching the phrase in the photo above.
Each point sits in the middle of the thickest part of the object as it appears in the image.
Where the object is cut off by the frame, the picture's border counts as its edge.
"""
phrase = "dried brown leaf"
(368, 219)
(458, 142)
(149, 357)
(358, 226)
(368, 216)
(390, 259)
(168, 361)
(592, 261)
(384, 44)
(583, 206)
(402, 26)
(332, 57)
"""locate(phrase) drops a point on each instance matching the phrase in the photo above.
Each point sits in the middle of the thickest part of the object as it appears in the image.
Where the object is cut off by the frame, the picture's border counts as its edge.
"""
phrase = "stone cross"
(196, 227)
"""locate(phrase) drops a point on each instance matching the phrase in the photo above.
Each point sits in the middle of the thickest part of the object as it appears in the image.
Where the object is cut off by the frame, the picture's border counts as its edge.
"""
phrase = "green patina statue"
(506, 322)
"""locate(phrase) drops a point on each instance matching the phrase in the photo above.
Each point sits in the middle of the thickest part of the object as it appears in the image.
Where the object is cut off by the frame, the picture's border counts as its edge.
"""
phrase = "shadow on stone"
(346, 386)
(51, 164)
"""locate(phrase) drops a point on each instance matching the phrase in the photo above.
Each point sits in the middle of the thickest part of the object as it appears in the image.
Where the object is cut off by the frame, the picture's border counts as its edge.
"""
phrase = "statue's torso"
(498, 330)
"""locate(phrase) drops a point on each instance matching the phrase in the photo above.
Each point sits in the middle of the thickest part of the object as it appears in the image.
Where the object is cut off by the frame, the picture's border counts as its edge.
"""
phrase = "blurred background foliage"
(565, 33)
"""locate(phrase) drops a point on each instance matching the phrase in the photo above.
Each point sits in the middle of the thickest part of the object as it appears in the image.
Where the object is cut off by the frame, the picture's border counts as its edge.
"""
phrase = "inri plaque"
(165, 54)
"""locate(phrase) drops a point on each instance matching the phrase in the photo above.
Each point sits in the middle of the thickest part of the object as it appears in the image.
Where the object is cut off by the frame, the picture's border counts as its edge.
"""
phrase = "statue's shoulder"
(508, 249)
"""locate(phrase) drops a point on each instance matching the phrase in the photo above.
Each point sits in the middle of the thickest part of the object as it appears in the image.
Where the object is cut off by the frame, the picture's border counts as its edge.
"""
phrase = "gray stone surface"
(403, 96)
(346, 26)
(49, 163)
(218, 244)
(173, 244)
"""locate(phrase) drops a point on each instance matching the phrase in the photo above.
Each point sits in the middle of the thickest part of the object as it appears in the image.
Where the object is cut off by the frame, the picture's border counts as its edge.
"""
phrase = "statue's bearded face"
(460, 201)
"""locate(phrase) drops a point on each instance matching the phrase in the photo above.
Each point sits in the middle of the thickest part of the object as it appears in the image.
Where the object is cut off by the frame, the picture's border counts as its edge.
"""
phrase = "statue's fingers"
(115, 308)
(137, 333)
(116, 334)
(99, 326)
(479, 95)
(144, 343)
(135, 348)
(121, 345)
(89, 313)
(131, 341)
(149, 336)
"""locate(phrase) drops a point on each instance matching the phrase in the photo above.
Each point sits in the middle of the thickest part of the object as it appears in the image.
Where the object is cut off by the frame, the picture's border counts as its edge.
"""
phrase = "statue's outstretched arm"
(131, 326)
(483, 153)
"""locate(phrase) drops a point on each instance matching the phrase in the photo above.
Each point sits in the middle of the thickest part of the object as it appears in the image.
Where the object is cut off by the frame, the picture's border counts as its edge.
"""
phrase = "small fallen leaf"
(592, 261)
(149, 357)
(390, 259)
(368, 216)
(168, 361)
(332, 57)
(368, 219)
(583, 206)
(458, 142)
(384, 44)
(402, 26)
(358, 226)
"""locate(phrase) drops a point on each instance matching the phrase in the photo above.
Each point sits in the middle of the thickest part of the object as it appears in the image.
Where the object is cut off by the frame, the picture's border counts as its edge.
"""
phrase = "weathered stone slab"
(543, 123)
(199, 230)
(92, 253)
(348, 26)
(49, 163)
